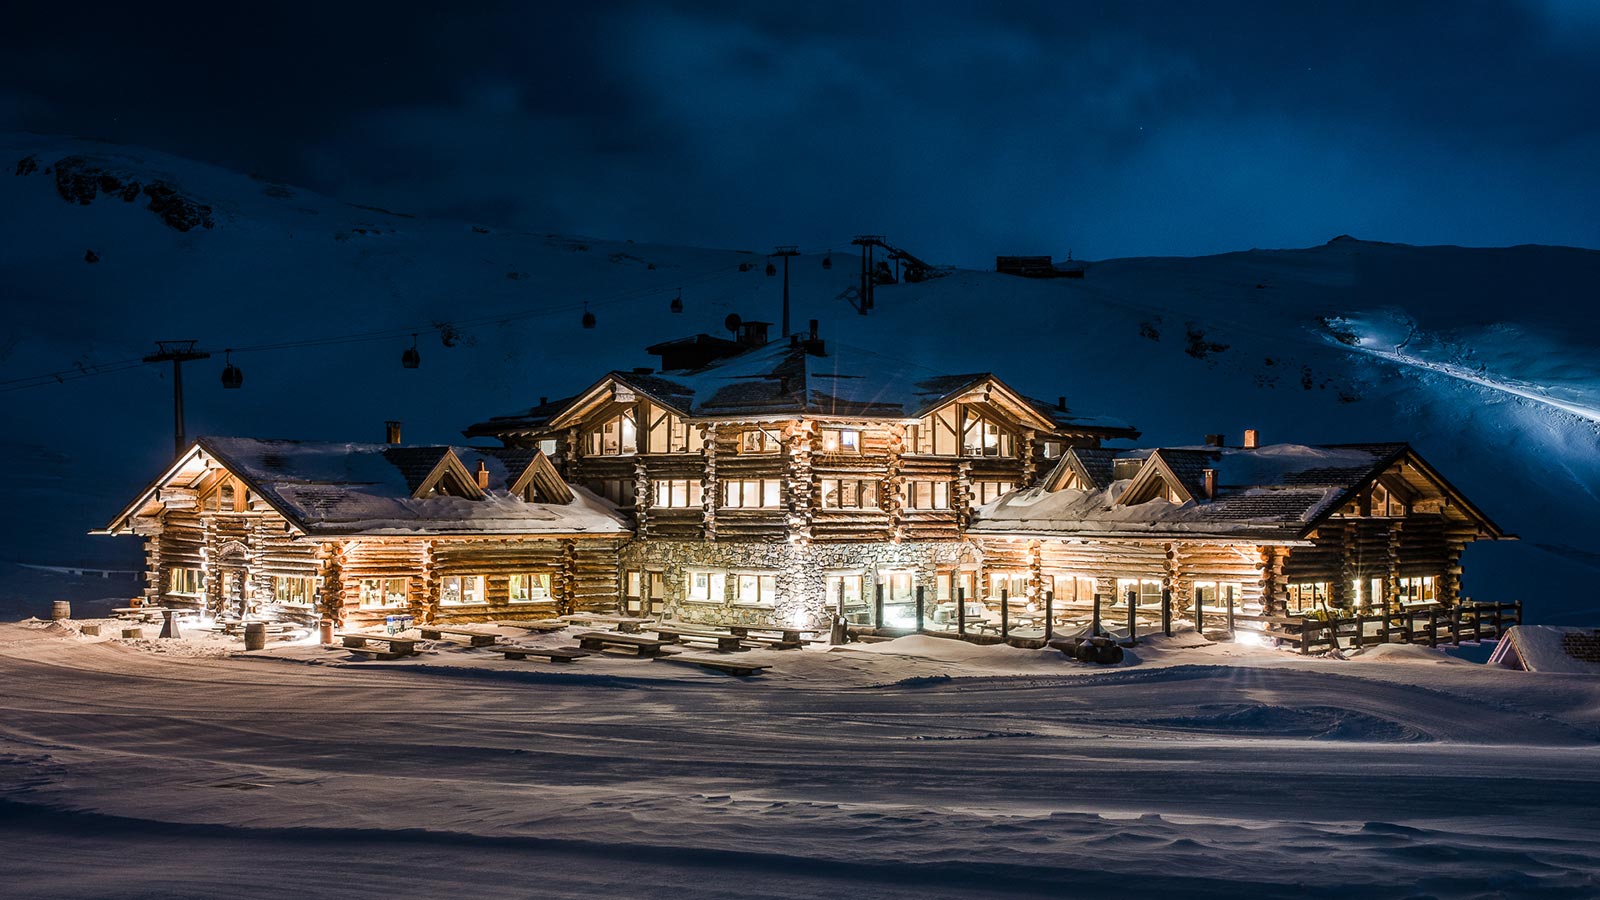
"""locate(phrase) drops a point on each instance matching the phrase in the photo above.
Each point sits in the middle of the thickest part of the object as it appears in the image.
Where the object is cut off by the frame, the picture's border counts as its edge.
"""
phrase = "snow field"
(912, 768)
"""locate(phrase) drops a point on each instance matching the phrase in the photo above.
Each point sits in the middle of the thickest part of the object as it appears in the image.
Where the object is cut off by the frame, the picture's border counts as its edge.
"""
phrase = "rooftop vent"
(1213, 440)
(1252, 439)
(483, 476)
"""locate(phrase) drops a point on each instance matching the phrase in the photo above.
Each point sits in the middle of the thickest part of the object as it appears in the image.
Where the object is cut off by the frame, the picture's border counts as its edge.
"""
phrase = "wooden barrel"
(255, 635)
(60, 609)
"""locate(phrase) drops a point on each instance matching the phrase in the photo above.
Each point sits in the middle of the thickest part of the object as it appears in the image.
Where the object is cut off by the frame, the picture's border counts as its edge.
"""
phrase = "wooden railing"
(1431, 625)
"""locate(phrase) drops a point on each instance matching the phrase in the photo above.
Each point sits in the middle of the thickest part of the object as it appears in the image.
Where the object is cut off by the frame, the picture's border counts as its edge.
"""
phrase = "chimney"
(1210, 476)
(483, 476)
(544, 401)
(813, 329)
(391, 431)
(1061, 403)
(813, 344)
(1213, 440)
(1252, 439)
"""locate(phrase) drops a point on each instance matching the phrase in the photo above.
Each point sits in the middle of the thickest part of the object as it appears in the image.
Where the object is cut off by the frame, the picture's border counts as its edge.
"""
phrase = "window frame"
(533, 578)
(716, 591)
(198, 580)
(280, 581)
(766, 588)
(855, 492)
(383, 584)
(466, 586)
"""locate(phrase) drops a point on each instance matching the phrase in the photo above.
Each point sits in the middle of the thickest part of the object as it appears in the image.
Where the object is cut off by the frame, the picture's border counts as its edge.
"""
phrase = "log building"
(359, 532)
(774, 484)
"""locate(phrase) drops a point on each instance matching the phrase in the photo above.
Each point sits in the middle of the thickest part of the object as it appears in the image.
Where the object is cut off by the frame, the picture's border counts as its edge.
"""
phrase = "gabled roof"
(1281, 492)
(787, 380)
(326, 488)
(1091, 466)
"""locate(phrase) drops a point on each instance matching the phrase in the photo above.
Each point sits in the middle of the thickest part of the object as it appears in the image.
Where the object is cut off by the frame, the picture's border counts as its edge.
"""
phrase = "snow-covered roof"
(329, 488)
(1549, 648)
(783, 379)
(1276, 492)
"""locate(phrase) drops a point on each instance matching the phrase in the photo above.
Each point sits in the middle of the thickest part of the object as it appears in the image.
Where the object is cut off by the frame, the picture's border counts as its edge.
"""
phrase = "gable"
(541, 478)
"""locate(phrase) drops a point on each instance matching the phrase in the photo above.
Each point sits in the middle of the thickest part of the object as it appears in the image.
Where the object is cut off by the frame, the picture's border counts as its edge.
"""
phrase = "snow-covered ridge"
(1483, 359)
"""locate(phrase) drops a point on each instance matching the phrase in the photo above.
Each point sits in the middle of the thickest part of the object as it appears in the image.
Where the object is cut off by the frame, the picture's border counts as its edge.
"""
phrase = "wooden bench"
(473, 638)
(554, 654)
(726, 643)
(599, 640)
(728, 666)
(357, 641)
(372, 652)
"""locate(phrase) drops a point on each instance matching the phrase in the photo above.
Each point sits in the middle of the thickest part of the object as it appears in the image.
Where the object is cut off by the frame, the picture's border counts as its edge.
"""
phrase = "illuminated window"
(530, 587)
(616, 436)
(707, 587)
(757, 589)
(841, 440)
(750, 493)
(1419, 590)
(844, 595)
(935, 435)
(190, 582)
(461, 590)
(292, 591)
(849, 493)
(677, 493)
(1053, 449)
(1307, 595)
(377, 593)
(1147, 591)
(1073, 589)
(1015, 584)
(1217, 595)
(984, 437)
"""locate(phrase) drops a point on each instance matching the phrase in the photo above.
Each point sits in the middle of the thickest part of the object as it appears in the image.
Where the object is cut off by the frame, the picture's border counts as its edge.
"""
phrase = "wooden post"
(1133, 611)
(1005, 615)
(1518, 611)
(1231, 599)
(1455, 624)
(1049, 615)
(1199, 613)
(1166, 611)
(1361, 628)
(1094, 623)
(920, 589)
(961, 611)
(877, 606)
(1433, 627)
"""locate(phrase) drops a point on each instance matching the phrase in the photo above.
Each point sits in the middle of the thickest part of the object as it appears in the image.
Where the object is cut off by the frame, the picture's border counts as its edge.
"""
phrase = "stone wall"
(801, 570)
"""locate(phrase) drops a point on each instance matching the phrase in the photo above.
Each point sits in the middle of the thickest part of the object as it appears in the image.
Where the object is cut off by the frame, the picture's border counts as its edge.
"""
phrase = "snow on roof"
(1275, 492)
(785, 379)
(330, 488)
(1549, 648)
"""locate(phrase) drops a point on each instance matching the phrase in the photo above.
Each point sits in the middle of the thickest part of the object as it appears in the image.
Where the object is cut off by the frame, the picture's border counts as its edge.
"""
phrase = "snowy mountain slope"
(1481, 357)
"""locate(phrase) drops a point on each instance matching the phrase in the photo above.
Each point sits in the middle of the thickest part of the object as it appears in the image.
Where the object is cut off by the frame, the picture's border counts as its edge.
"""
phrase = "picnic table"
(141, 613)
(600, 640)
(624, 624)
(727, 643)
(554, 654)
(788, 638)
(472, 638)
(356, 642)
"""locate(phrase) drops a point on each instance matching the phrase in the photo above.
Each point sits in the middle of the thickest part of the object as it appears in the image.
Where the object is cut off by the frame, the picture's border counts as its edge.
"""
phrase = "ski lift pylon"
(588, 317)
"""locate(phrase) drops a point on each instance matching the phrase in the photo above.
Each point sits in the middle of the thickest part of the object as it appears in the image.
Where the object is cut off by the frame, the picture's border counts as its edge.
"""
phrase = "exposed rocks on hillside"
(80, 181)
(27, 165)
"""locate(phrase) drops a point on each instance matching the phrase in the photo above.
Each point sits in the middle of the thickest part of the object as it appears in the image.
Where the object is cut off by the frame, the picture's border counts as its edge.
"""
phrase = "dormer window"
(841, 440)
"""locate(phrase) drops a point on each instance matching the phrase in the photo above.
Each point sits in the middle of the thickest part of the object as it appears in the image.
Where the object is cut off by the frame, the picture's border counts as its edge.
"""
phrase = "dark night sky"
(1113, 129)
